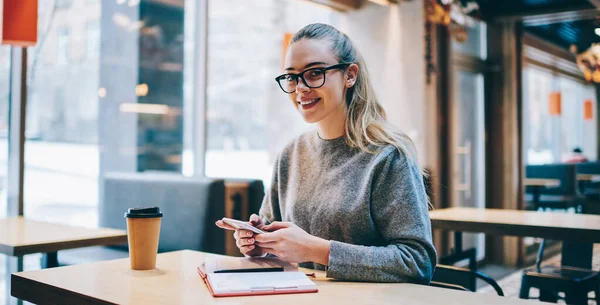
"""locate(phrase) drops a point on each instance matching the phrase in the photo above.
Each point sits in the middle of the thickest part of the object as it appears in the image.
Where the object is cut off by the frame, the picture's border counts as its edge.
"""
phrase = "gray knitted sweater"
(372, 207)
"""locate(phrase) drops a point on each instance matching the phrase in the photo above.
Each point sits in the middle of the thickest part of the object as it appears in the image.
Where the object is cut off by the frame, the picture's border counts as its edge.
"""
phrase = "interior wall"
(391, 39)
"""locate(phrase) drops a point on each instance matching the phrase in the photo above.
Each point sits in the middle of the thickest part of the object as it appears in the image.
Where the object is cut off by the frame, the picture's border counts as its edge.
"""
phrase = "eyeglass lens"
(313, 78)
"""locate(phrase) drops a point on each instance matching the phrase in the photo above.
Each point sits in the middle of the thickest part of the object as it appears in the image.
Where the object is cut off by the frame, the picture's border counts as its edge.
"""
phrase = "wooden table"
(550, 225)
(541, 182)
(577, 229)
(588, 177)
(20, 236)
(538, 184)
(175, 281)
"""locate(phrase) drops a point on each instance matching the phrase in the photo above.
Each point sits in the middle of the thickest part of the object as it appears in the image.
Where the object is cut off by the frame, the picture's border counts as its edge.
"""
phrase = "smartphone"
(238, 224)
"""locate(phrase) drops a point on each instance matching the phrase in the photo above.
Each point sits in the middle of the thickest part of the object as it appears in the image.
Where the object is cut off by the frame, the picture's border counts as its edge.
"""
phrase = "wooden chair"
(564, 196)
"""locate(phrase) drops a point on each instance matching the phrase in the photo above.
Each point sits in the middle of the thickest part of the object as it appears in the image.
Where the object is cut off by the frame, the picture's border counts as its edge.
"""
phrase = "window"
(249, 118)
(120, 112)
(62, 45)
(92, 37)
(64, 4)
(4, 102)
(549, 138)
(476, 42)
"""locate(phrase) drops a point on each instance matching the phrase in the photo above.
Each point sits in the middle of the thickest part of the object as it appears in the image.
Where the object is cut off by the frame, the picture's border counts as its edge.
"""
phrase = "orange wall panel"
(19, 22)
(554, 103)
(287, 37)
(588, 110)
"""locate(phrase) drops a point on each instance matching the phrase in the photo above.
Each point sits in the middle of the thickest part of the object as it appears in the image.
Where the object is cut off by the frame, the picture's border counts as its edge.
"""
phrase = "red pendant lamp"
(18, 22)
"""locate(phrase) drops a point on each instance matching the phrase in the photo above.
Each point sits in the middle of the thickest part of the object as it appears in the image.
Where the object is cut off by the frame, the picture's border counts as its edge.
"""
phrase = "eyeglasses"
(312, 78)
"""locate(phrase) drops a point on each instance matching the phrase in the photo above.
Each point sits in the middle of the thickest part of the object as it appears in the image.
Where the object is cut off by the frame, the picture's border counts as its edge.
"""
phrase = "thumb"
(255, 220)
(276, 226)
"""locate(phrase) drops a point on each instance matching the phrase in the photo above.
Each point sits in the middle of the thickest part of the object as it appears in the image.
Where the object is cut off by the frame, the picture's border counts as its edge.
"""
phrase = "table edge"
(70, 244)
(23, 288)
(521, 230)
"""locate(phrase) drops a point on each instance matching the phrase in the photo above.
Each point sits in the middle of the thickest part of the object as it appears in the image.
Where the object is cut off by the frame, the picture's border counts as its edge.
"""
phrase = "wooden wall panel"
(505, 156)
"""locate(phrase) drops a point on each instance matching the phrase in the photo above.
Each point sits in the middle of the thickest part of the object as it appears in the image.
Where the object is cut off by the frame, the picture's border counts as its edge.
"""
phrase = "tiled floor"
(512, 283)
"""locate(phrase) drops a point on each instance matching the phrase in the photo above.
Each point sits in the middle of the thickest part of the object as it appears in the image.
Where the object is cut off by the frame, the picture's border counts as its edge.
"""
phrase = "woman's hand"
(290, 243)
(244, 239)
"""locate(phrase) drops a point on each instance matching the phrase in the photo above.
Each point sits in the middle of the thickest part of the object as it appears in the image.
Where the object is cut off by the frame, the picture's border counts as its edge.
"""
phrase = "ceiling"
(563, 22)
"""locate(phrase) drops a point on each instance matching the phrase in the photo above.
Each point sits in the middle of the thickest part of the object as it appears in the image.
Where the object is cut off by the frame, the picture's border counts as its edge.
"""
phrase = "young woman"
(349, 197)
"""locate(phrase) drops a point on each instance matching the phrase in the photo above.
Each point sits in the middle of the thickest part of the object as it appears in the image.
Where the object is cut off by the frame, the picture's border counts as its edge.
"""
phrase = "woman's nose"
(301, 86)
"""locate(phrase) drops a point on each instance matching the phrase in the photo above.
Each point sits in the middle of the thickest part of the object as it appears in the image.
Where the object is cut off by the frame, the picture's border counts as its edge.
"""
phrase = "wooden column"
(504, 114)
(597, 118)
(438, 92)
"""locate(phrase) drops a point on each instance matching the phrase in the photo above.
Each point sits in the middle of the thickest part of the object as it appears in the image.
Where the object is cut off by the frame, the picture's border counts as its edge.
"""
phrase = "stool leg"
(576, 297)
(549, 296)
(524, 293)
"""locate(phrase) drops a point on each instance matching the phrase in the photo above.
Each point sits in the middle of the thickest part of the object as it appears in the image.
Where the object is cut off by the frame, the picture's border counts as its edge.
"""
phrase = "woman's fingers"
(246, 249)
(242, 234)
(223, 225)
(245, 242)
(255, 220)
(269, 245)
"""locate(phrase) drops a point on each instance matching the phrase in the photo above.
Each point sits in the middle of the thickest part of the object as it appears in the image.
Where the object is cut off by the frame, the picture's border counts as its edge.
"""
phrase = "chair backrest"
(566, 173)
(463, 277)
(591, 189)
(256, 193)
(190, 206)
(448, 286)
(591, 168)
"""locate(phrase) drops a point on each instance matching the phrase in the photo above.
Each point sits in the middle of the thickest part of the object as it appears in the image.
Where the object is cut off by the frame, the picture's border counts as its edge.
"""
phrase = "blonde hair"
(366, 122)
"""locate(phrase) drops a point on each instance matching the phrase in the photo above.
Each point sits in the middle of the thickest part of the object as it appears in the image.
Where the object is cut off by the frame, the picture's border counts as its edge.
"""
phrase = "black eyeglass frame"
(300, 75)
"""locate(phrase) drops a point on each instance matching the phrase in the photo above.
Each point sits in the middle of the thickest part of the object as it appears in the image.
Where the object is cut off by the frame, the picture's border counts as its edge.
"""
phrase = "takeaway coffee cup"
(143, 230)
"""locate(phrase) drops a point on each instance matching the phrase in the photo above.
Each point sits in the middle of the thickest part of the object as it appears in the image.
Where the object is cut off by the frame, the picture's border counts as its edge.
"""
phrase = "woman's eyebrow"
(308, 65)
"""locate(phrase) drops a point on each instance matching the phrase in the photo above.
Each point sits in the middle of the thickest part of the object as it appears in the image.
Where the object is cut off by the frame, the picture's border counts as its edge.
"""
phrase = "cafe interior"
(107, 105)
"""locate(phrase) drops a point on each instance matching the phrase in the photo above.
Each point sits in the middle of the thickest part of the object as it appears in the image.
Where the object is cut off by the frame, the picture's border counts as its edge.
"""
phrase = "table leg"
(458, 254)
(536, 195)
(458, 246)
(13, 264)
(49, 260)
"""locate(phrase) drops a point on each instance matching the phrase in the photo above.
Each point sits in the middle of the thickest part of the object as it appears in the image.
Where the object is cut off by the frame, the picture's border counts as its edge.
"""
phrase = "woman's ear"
(351, 75)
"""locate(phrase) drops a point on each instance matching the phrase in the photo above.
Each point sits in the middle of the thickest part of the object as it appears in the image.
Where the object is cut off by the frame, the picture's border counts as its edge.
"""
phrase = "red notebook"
(228, 276)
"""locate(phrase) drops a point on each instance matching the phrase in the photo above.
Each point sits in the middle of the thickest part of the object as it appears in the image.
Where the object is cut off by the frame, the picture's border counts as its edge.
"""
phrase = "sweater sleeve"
(269, 210)
(399, 210)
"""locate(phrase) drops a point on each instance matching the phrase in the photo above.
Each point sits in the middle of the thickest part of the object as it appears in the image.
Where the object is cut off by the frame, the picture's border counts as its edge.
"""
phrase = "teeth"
(309, 102)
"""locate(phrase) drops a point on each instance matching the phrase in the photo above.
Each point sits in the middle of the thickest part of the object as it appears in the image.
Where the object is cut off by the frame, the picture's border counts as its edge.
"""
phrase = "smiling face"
(325, 105)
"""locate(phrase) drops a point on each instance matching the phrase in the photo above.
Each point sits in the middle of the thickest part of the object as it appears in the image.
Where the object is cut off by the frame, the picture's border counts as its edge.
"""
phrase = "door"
(468, 147)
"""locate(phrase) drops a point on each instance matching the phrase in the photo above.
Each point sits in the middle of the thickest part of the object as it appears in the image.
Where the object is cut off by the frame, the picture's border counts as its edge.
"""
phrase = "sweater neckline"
(329, 143)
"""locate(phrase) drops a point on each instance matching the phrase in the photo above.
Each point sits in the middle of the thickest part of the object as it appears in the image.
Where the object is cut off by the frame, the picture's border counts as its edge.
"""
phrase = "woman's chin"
(310, 118)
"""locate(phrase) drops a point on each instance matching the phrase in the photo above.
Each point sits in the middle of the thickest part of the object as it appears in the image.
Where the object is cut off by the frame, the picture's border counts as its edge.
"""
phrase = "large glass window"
(249, 118)
(550, 138)
(4, 94)
(476, 43)
(62, 45)
(5, 62)
(119, 110)
(92, 37)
